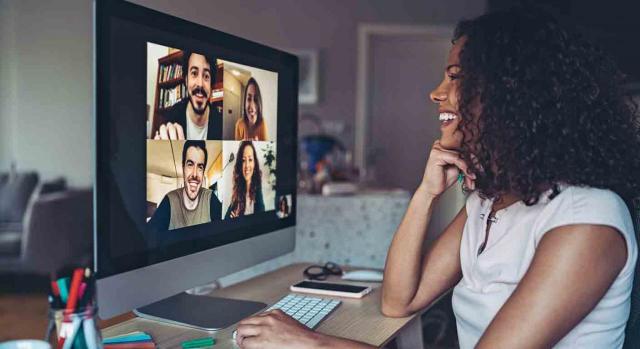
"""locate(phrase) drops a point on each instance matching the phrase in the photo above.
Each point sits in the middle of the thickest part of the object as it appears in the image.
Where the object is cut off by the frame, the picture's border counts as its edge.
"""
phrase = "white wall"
(47, 99)
(231, 104)
(7, 81)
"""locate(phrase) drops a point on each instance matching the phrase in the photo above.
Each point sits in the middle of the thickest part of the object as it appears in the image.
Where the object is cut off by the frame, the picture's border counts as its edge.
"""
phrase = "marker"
(74, 290)
(89, 328)
(54, 288)
(75, 327)
(198, 343)
(87, 296)
(63, 288)
(83, 288)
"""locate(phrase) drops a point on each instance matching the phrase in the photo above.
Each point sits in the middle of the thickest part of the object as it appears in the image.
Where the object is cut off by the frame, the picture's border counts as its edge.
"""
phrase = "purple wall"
(62, 30)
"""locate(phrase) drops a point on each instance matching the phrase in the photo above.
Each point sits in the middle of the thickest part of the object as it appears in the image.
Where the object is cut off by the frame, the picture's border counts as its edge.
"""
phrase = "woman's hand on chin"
(441, 172)
(275, 329)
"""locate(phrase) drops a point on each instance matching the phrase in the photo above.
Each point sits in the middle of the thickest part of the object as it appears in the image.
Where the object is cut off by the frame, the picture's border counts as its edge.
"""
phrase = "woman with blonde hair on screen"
(537, 126)
(252, 125)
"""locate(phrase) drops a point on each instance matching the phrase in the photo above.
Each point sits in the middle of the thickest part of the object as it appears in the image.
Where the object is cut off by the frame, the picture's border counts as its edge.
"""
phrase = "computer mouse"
(363, 275)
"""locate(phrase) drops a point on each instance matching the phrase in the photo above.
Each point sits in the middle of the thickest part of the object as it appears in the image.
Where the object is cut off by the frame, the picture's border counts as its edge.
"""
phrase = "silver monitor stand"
(154, 283)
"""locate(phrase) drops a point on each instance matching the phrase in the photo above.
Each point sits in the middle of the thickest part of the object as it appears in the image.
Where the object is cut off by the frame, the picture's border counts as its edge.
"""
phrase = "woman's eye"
(453, 77)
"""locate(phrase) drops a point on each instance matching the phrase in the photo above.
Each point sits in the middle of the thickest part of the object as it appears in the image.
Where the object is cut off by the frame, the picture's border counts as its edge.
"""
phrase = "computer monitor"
(195, 165)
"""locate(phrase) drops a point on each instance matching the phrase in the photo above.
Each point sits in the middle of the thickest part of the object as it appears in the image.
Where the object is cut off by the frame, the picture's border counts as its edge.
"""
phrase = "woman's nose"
(438, 95)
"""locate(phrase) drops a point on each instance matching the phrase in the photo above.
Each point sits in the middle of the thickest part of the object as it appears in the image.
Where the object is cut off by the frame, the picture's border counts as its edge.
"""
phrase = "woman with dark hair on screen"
(283, 207)
(247, 183)
(252, 125)
(536, 125)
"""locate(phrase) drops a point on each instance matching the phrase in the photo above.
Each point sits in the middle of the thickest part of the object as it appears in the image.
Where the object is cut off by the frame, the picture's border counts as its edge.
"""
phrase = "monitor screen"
(196, 140)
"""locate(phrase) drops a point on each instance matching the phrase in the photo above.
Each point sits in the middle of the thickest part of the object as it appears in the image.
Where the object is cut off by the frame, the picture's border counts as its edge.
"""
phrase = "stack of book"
(132, 340)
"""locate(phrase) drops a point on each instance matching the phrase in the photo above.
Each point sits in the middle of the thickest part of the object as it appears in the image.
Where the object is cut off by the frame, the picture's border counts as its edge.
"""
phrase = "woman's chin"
(451, 140)
(449, 143)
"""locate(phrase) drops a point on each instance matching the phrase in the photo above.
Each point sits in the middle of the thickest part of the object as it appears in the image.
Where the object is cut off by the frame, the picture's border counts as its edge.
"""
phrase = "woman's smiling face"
(247, 163)
(446, 96)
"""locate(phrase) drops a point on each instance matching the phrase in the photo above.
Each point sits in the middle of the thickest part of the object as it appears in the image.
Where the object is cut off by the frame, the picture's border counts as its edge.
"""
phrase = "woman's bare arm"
(414, 278)
(572, 269)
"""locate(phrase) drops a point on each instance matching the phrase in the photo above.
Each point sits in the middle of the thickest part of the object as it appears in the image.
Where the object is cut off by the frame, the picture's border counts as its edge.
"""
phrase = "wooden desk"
(357, 319)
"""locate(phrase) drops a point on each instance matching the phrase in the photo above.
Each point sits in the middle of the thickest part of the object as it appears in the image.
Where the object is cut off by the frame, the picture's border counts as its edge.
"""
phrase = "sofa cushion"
(10, 244)
(53, 186)
(15, 191)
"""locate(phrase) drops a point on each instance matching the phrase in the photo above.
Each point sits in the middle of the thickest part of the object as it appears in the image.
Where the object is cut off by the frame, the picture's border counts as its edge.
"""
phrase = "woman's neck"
(504, 201)
(251, 125)
(248, 191)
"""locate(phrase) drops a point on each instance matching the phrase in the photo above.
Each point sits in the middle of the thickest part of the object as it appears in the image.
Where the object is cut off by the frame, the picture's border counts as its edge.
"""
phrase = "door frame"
(366, 32)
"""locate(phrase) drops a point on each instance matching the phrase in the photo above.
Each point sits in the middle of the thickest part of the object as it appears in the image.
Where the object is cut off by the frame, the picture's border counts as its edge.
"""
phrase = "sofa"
(44, 226)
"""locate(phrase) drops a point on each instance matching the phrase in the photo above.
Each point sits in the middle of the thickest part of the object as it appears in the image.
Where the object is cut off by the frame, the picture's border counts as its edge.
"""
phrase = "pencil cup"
(76, 329)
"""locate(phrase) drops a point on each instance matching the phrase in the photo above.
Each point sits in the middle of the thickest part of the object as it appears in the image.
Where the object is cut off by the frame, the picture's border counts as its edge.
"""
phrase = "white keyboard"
(309, 311)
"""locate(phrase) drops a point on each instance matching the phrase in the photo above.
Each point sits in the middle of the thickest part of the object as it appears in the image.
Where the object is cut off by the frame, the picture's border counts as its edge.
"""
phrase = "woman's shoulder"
(585, 205)
(578, 200)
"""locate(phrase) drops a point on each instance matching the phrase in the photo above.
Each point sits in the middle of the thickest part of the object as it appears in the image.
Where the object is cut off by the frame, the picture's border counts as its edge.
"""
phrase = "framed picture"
(308, 74)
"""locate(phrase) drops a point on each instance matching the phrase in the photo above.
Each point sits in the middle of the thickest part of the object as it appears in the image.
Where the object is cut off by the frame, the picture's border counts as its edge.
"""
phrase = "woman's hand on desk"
(275, 329)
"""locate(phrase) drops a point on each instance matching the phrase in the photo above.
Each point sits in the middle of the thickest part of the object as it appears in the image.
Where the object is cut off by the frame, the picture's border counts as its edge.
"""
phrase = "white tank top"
(489, 279)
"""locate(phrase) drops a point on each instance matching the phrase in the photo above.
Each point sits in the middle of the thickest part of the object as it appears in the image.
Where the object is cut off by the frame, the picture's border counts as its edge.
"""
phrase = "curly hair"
(239, 196)
(552, 109)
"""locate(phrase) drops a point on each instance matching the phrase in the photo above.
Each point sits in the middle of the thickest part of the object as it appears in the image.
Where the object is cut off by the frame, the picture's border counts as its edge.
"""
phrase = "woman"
(247, 184)
(543, 253)
(283, 207)
(252, 125)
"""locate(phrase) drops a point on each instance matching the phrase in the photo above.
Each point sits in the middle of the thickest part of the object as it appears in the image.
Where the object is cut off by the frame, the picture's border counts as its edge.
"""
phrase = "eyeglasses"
(321, 272)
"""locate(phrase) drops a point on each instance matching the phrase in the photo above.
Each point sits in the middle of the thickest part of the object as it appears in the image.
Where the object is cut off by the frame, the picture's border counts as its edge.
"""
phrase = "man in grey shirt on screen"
(192, 204)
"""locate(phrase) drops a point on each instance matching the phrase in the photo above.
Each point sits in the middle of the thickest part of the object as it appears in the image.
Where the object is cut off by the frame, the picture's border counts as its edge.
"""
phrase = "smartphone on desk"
(331, 289)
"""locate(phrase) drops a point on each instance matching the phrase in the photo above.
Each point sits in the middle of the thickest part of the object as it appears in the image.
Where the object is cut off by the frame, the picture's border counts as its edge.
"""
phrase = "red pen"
(55, 289)
(74, 289)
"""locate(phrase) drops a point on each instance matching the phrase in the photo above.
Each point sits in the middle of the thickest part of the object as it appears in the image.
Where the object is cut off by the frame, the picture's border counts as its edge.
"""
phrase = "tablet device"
(331, 289)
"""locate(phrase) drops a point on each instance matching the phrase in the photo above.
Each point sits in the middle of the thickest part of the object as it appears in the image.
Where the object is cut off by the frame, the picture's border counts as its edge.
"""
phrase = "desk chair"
(632, 332)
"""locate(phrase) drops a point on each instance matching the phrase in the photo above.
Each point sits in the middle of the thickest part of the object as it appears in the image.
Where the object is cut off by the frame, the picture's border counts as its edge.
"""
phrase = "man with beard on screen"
(193, 116)
(192, 204)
